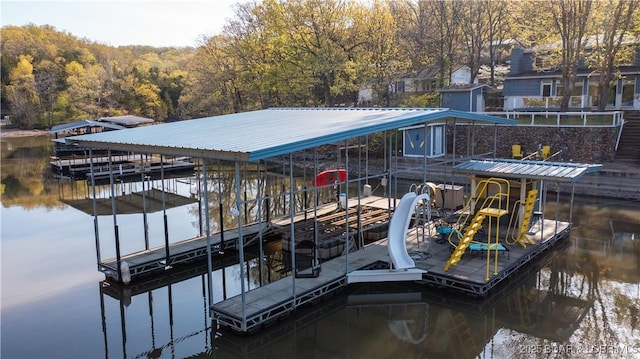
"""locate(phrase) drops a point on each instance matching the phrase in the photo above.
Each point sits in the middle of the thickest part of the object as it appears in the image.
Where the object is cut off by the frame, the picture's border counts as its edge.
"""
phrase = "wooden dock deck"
(121, 165)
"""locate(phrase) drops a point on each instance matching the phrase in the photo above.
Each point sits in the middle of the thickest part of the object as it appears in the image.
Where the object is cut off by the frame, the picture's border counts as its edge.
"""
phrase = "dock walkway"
(266, 304)
(155, 259)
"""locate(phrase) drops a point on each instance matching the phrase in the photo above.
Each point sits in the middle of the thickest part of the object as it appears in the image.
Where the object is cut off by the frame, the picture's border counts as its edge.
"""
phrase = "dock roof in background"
(84, 124)
(538, 170)
(257, 135)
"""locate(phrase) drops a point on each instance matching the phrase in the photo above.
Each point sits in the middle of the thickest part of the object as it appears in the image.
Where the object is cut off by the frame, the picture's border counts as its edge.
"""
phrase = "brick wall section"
(578, 144)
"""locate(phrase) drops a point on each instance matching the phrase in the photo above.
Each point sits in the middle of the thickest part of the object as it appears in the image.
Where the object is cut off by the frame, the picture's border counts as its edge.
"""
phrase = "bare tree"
(612, 27)
(498, 30)
(570, 18)
(474, 32)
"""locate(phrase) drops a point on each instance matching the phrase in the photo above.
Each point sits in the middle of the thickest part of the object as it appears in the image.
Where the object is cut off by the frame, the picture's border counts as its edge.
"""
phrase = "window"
(628, 87)
(545, 88)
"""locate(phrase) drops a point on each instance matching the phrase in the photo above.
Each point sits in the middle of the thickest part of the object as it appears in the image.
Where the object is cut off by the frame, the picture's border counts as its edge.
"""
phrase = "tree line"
(278, 53)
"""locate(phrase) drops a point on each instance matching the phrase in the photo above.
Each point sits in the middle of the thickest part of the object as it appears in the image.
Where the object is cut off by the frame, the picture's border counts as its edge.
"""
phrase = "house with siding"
(532, 87)
(412, 82)
(463, 95)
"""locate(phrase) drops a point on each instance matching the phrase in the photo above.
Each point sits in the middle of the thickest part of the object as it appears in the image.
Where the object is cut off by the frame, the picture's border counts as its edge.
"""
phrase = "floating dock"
(276, 300)
(122, 166)
(160, 258)
(469, 276)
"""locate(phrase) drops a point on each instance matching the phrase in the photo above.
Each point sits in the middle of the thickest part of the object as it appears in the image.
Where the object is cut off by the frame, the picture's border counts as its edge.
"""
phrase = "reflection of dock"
(136, 202)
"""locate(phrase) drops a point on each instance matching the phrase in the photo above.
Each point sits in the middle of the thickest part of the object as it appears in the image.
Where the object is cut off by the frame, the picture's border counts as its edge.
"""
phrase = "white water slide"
(403, 265)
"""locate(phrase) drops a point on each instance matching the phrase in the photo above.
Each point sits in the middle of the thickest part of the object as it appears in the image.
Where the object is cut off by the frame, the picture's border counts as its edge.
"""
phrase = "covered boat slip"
(286, 135)
(123, 166)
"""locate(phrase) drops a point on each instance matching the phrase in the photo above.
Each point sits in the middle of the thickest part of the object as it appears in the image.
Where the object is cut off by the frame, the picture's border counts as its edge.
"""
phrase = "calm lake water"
(581, 299)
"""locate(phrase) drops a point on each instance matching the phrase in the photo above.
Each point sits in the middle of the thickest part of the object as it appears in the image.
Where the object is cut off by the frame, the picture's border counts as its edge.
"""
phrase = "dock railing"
(549, 118)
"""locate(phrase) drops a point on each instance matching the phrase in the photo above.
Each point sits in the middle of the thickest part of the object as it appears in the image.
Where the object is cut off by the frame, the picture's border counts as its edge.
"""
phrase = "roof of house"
(257, 135)
(466, 88)
(581, 73)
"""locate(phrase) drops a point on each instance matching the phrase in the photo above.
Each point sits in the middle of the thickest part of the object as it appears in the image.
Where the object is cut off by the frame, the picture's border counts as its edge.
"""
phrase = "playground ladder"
(465, 241)
(532, 195)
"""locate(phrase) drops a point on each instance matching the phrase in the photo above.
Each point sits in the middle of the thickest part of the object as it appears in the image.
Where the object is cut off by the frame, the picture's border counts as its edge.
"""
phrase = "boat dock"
(159, 258)
(122, 166)
(515, 190)
(470, 275)
(276, 300)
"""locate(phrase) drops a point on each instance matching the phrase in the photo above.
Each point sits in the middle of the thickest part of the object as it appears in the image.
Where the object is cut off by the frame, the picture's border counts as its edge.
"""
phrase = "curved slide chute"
(403, 265)
(398, 227)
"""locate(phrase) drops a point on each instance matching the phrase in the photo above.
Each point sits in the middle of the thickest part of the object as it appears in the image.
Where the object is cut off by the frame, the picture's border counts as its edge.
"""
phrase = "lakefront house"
(532, 86)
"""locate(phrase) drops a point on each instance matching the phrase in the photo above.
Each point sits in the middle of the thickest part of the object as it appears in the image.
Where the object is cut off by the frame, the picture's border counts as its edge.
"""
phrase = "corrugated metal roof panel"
(555, 171)
(256, 135)
(82, 124)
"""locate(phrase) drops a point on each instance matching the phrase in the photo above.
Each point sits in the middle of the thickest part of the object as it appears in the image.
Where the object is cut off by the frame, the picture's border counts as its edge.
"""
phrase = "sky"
(134, 22)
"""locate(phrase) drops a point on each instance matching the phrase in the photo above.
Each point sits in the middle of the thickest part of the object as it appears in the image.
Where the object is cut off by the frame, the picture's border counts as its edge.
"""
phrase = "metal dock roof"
(83, 124)
(256, 135)
(540, 170)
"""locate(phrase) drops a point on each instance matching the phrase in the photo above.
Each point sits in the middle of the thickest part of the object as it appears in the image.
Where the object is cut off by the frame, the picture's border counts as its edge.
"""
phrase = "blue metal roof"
(256, 135)
(538, 170)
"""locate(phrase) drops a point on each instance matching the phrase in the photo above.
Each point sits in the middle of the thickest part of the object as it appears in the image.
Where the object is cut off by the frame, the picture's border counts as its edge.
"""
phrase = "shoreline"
(12, 133)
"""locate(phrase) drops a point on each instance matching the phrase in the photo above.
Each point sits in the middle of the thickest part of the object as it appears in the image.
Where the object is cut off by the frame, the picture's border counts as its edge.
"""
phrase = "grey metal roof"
(539, 170)
(82, 124)
(127, 120)
(256, 135)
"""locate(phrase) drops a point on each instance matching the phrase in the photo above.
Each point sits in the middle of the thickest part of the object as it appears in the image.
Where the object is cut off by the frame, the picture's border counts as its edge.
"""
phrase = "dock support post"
(95, 209)
(240, 245)
(144, 206)
(199, 196)
(260, 229)
(115, 222)
(292, 230)
(167, 263)
(208, 232)
(221, 211)
(346, 205)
